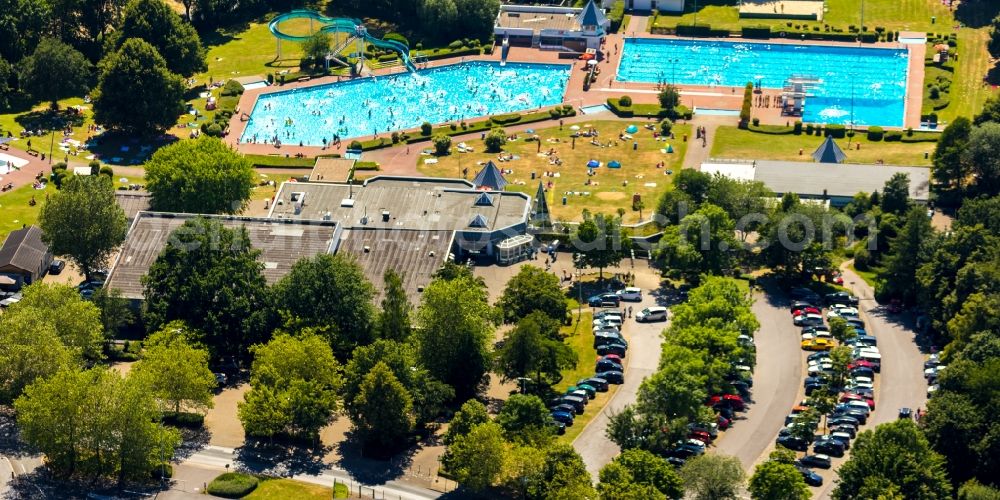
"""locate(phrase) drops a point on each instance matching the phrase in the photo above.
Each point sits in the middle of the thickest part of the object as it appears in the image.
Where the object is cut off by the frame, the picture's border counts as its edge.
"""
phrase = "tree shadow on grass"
(47, 119)
(282, 458)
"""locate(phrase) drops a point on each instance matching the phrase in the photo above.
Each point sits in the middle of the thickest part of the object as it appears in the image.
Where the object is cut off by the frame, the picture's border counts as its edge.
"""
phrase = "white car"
(814, 362)
(817, 335)
(933, 371)
(819, 369)
(840, 312)
(9, 301)
(609, 321)
(931, 390)
(861, 405)
(630, 294)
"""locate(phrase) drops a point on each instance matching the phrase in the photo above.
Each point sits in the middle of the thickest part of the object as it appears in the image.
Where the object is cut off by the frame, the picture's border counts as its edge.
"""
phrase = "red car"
(806, 310)
(723, 422)
(857, 397)
(860, 363)
(613, 357)
(733, 401)
(702, 436)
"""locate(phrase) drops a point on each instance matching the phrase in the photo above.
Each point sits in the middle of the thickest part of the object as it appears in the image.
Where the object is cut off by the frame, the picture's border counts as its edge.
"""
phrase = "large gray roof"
(414, 254)
(281, 242)
(133, 202)
(411, 203)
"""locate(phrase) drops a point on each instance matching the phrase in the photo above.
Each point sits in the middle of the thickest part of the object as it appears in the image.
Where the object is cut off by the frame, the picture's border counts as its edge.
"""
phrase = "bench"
(32, 152)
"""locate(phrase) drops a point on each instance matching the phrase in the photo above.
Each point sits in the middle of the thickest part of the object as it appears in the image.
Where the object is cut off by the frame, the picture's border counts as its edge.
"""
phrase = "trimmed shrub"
(426, 128)
(506, 119)
(683, 111)
(747, 105)
(442, 143)
(457, 44)
(232, 485)
(163, 471)
(757, 32)
(625, 101)
(495, 140)
(837, 131)
(756, 121)
(618, 109)
(366, 165)
(893, 135)
(355, 144)
(214, 130)
(797, 128)
(232, 88)
(106, 170)
(875, 133)
(666, 126)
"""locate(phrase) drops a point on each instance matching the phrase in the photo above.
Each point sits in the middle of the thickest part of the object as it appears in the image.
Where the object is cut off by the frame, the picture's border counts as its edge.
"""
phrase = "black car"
(793, 443)
(742, 389)
(566, 407)
(817, 461)
(829, 447)
(905, 413)
(855, 322)
(862, 371)
(604, 299)
(596, 382)
(607, 365)
(560, 427)
(57, 266)
(811, 478)
(850, 430)
(613, 377)
(843, 420)
(608, 338)
(578, 403)
(619, 349)
(677, 462)
(860, 415)
(811, 388)
(841, 298)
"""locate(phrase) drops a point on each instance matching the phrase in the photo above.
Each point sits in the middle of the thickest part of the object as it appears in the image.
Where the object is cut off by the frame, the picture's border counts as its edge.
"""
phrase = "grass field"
(608, 190)
(870, 277)
(968, 89)
(892, 14)
(280, 489)
(732, 142)
(16, 211)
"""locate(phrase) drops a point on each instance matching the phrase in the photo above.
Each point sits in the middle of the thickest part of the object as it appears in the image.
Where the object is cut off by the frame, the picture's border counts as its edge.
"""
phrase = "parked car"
(842, 312)
(843, 420)
(579, 393)
(618, 349)
(828, 446)
(605, 365)
(560, 427)
(811, 478)
(612, 357)
(604, 300)
(799, 304)
(650, 314)
(579, 404)
(862, 371)
(793, 443)
(711, 429)
(843, 437)
(841, 298)
(589, 389)
(807, 319)
(565, 407)
(702, 436)
(630, 294)
(859, 415)
(608, 321)
(817, 345)
(806, 310)
(855, 322)
(609, 313)
(57, 266)
(562, 417)
(846, 429)
(819, 461)
(613, 377)
(597, 383)
(605, 338)
(729, 400)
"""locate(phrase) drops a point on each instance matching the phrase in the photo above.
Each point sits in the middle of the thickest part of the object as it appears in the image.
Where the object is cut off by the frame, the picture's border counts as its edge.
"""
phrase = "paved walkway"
(699, 151)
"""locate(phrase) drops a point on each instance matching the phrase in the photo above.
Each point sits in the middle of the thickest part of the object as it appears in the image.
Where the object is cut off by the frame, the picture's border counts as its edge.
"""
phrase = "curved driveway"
(776, 381)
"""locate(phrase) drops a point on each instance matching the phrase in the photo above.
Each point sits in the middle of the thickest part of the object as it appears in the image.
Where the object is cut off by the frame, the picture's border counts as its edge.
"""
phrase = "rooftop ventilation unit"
(347, 203)
(385, 216)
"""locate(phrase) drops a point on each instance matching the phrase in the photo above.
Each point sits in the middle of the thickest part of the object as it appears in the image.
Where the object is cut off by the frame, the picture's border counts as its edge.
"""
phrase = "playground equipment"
(344, 30)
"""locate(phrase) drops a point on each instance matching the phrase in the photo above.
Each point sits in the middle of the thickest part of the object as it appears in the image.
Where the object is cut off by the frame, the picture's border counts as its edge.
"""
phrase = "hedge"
(875, 133)
(772, 129)
(757, 32)
(232, 485)
(893, 136)
(616, 15)
(280, 161)
(704, 30)
(366, 165)
(506, 119)
(837, 131)
(232, 88)
(617, 108)
(397, 37)
(474, 51)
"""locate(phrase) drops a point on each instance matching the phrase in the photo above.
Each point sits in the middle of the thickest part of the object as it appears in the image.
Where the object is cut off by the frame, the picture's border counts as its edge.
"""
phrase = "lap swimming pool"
(868, 83)
(366, 106)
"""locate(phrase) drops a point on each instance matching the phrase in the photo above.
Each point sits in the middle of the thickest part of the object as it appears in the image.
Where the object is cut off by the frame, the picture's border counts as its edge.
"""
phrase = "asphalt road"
(776, 382)
(643, 357)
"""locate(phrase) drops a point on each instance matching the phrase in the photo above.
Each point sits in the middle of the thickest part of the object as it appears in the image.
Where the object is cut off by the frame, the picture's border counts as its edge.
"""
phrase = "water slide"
(504, 49)
(351, 27)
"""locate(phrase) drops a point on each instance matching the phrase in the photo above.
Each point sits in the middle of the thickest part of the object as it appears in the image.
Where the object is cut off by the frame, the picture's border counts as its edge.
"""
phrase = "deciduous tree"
(471, 414)
(203, 176)
(600, 241)
(703, 243)
(476, 459)
(156, 23)
(31, 351)
(907, 252)
(383, 408)
(84, 222)
(713, 477)
(394, 322)
(76, 321)
(293, 387)
(176, 371)
(534, 349)
(532, 289)
(55, 71)
(455, 331)
(332, 294)
(209, 277)
(136, 93)
(639, 468)
(950, 168)
(525, 420)
(983, 154)
(775, 480)
(898, 455)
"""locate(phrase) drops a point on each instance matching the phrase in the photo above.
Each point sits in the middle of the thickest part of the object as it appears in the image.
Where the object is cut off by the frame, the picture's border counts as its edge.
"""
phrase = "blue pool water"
(875, 77)
(366, 106)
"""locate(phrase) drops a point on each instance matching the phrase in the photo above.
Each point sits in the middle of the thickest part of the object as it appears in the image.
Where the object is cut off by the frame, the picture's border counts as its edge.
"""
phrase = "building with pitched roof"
(24, 257)
(490, 178)
(829, 152)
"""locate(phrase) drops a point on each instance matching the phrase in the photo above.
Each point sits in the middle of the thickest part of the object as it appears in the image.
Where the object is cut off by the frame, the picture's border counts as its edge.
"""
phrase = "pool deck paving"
(711, 97)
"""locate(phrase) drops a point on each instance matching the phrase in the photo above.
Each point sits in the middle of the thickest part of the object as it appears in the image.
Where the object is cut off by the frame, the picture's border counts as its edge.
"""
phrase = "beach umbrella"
(586, 57)
(632, 129)
(592, 62)
(530, 131)
(593, 164)
(941, 46)
(575, 127)
(614, 164)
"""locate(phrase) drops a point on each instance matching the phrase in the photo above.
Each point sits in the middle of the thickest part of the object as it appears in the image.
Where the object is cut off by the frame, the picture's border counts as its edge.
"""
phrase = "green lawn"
(891, 14)
(16, 211)
(608, 190)
(280, 489)
(968, 90)
(870, 277)
(732, 142)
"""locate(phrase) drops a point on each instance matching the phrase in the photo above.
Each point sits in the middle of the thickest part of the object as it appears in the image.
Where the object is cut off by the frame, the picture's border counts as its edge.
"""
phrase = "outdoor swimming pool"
(869, 81)
(366, 106)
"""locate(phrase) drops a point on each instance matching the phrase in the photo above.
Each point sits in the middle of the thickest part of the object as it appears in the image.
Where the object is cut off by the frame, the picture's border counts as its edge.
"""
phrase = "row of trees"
(95, 423)
(966, 160)
(438, 20)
